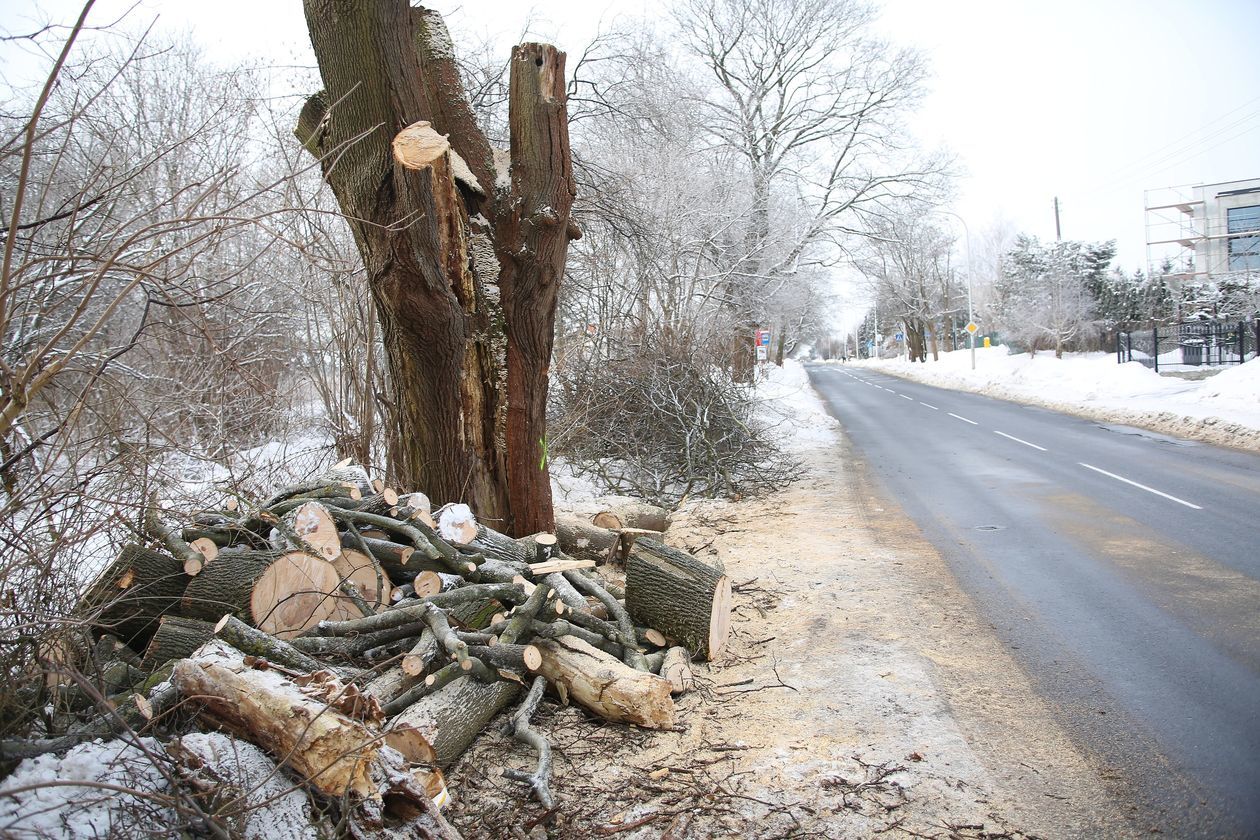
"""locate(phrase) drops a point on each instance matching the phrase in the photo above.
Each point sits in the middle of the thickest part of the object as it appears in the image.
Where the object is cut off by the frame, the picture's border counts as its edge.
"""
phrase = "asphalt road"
(1122, 568)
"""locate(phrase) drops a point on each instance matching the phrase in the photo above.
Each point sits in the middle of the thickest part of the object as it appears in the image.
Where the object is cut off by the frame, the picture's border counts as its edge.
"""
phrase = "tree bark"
(133, 593)
(687, 600)
(463, 264)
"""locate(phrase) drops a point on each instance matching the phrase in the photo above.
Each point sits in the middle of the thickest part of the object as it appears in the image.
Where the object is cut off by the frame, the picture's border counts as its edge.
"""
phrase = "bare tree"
(907, 261)
(810, 103)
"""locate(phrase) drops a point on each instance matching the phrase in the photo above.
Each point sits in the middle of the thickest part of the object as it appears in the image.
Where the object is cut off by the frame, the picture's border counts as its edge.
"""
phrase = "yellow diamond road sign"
(972, 328)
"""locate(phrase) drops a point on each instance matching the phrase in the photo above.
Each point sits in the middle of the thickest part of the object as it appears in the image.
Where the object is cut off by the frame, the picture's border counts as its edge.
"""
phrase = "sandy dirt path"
(860, 697)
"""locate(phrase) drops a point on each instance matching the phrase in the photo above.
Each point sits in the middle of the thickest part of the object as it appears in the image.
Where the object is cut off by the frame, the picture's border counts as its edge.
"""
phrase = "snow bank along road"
(1122, 568)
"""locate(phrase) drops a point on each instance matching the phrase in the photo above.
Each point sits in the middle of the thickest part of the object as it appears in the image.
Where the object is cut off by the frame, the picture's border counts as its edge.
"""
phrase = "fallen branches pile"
(364, 641)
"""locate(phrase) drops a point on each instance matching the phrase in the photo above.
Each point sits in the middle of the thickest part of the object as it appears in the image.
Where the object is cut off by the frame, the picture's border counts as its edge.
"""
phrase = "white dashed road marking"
(964, 419)
(1017, 440)
(1139, 486)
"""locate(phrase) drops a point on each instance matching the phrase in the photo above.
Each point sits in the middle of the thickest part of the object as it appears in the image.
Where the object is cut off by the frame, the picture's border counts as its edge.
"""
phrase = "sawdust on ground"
(860, 696)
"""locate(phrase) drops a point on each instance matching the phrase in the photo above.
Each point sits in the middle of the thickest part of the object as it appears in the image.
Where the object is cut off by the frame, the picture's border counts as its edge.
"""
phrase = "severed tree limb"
(518, 727)
(350, 646)
(439, 679)
(631, 655)
(254, 642)
(522, 617)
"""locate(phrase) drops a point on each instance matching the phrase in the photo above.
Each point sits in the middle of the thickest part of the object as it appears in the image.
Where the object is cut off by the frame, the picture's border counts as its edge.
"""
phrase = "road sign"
(899, 337)
(763, 338)
(972, 328)
(763, 353)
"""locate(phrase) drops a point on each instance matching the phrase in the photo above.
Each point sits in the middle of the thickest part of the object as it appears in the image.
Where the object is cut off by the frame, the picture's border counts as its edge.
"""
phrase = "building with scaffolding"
(1204, 231)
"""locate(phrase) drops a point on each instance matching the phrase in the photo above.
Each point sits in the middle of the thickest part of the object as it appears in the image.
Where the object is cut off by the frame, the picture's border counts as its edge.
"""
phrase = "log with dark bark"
(176, 638)
(579, 538)
(452, 717)
(686, 599)
(133, 593)
(282, 594)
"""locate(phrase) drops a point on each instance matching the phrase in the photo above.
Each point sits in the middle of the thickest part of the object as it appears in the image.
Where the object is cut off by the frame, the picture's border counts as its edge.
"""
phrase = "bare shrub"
(665, 421)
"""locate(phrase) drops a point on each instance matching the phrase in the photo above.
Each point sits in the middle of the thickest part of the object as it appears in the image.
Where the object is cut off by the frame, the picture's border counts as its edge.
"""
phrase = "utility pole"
(1058, 233)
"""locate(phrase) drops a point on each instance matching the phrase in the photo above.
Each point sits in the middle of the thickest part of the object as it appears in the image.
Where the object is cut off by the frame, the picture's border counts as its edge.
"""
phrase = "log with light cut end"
(579, 538)
(453, 716)
(311, 523)
(604, 685)
(456, 524)
(281, 594)
(363, 574)
(676, 669)
(426, 584)
(622, 512)
(684, 598)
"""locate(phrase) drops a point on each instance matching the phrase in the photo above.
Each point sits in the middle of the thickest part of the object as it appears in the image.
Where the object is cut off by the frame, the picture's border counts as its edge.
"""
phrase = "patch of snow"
(453, 519)
(272, 808)
(1224, 408)
(788, 404)
(78, 796)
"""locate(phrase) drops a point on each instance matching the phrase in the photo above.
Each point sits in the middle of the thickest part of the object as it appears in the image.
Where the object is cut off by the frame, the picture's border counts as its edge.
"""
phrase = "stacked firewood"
(365, 640)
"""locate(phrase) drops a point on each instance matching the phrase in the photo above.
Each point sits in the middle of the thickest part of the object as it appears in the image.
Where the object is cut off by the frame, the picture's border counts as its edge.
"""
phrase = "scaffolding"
(1187, 228)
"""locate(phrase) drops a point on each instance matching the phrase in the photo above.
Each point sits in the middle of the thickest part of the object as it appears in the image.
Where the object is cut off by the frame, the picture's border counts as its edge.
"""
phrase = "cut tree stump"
(133, 593)
(279, 593)
(686, 599)
(604, 685)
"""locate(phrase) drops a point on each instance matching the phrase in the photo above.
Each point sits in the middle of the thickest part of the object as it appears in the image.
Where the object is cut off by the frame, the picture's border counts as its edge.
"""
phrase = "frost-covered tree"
(1046, 296)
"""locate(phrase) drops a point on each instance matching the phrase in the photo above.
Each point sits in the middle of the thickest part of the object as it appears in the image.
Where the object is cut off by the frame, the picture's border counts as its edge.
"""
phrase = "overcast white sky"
(1093, 101)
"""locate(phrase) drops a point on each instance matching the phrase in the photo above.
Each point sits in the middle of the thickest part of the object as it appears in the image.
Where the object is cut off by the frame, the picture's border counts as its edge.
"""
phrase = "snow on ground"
(1223, 409)
(98, 789)
(790, 406)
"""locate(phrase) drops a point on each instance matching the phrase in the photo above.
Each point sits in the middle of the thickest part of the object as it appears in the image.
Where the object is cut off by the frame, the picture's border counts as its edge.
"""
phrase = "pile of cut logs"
(365, 640)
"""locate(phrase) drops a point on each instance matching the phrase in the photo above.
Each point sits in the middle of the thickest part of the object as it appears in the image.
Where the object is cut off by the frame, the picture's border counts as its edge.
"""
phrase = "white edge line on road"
(904, 397)
(1139, 486)
(1017, 440)
(934, 408)
(964, 419)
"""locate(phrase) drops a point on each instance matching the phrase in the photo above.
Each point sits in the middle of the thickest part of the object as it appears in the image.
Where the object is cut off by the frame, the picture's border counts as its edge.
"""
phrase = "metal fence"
(1189, 344)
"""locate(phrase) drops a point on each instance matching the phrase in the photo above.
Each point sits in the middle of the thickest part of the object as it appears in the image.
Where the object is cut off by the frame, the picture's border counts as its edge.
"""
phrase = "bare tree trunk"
(463, 267)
